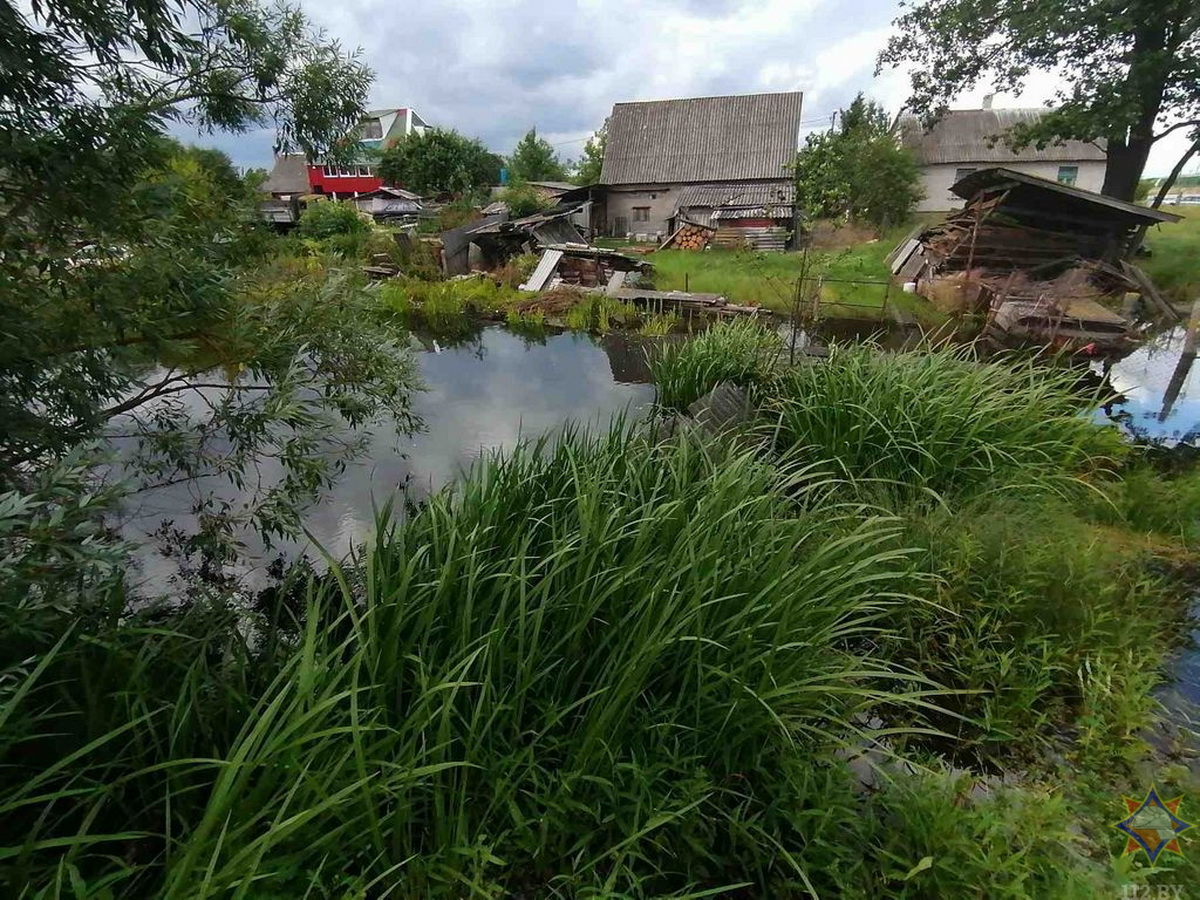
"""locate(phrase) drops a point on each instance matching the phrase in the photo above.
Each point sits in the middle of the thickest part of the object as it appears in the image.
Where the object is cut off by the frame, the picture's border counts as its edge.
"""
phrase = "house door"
(620, 226)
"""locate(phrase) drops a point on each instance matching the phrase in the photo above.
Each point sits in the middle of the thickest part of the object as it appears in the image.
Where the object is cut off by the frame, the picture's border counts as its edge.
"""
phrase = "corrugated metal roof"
(554, 185)
(289, 176)
(762, 193)
(751, 136)
(754, 212)
(971, 136)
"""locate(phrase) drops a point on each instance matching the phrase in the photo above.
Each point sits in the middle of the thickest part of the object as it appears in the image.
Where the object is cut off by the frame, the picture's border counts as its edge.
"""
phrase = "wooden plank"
(674, 234)
(906, 251)
(677, 297)
(545, 268)
(1150, 292)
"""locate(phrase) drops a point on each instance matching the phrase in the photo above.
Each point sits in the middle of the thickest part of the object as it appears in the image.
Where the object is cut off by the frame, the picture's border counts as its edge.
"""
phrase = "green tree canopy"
(137, 311)
(857, 169)
(534, 159)
(441, 161)
(592, 162)
(1129, 69)
(85, 93)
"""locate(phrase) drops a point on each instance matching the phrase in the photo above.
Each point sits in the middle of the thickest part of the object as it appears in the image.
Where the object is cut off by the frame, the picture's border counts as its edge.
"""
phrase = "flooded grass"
(602, 665)
(769, 279)
(455, 308)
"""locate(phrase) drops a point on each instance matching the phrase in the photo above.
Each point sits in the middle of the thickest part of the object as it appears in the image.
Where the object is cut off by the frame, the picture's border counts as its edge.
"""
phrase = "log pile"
(689, 236)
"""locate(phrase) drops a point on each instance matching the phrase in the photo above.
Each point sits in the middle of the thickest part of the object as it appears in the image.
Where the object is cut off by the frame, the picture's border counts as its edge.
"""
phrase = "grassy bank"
(1175, 261)
(769, 279)
(620, 667)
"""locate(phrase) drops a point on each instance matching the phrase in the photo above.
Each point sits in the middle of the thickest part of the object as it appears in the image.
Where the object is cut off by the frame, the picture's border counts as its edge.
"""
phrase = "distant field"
(1175, 261)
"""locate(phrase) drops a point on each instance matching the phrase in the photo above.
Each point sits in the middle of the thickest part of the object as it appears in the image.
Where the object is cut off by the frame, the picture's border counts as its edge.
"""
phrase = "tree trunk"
(1140, 235)
(1126, 161)
(1145, 85)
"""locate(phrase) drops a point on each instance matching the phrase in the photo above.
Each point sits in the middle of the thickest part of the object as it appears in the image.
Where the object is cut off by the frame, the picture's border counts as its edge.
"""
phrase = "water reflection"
(1160, 391)
(483, 393)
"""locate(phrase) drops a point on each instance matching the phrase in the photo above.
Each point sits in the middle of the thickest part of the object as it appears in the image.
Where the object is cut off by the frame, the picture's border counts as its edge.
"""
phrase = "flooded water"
(1176, 734)
(1161, 392)
(1160, 403)
(484, 394)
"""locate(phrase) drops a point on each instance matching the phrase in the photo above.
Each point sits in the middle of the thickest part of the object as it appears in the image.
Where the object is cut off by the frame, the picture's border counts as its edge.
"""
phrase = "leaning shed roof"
(1045, 203)
(751, 136)
(972, 136)
(290, 175)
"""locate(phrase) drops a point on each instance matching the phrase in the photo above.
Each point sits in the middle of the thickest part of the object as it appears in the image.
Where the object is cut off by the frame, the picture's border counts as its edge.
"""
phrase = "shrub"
(523, 200)
(328, 218)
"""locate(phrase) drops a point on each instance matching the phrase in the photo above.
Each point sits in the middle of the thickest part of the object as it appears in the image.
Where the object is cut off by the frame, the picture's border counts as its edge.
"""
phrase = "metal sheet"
(545, 268)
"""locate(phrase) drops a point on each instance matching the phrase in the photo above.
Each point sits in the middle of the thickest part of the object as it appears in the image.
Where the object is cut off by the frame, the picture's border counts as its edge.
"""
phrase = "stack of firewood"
(690, 237)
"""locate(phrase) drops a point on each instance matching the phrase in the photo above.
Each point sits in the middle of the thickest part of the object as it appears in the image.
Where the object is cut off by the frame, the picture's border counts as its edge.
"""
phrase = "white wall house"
(968, 139)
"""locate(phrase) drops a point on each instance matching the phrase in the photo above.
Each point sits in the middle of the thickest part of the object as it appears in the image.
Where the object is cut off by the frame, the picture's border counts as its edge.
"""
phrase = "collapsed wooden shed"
(1057, 250)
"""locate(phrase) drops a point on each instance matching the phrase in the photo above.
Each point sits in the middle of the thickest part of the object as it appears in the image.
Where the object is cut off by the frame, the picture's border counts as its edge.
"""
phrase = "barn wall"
(621, 201)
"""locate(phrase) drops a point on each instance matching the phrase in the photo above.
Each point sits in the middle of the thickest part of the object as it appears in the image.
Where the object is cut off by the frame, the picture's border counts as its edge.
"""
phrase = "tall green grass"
(939, 422)
(598, 669)
(741, 351)
(998, 474)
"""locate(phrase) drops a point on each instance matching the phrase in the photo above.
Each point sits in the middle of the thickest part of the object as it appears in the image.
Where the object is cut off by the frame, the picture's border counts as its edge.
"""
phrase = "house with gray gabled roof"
(966, 140)
(703, 151)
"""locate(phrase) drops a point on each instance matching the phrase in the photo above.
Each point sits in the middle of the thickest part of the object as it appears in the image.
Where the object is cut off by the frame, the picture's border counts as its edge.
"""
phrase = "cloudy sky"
(494, 68)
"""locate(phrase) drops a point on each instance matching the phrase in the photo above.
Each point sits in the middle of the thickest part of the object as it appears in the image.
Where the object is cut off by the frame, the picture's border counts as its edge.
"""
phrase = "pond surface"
(485, 394)
(1161, 392)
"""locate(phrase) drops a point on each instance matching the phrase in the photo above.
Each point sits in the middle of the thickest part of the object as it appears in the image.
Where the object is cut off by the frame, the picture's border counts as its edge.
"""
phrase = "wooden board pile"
(584, 271)
(739, 237)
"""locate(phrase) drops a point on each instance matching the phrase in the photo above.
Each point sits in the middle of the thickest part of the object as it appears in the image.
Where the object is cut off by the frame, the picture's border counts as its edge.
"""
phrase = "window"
(1068, 174)
(363, 170)
(960, 174)
(641, 214)
(370, 130)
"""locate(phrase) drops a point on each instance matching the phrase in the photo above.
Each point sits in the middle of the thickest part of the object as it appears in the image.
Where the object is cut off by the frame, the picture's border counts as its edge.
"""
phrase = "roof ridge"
(710, 97)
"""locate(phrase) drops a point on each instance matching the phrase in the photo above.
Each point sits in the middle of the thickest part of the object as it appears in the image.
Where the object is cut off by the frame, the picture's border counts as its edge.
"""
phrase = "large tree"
(534, 159)
(440, 161)
(128, 263)
(1129, 69)
(857, 170)
(86, 91)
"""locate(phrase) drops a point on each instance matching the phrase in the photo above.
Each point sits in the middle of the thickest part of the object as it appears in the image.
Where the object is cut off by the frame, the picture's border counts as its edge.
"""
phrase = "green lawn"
(1175, 261)
(769, 279)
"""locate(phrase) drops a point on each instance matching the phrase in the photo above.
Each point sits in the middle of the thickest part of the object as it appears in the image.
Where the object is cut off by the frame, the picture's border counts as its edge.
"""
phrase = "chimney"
(987, 101)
